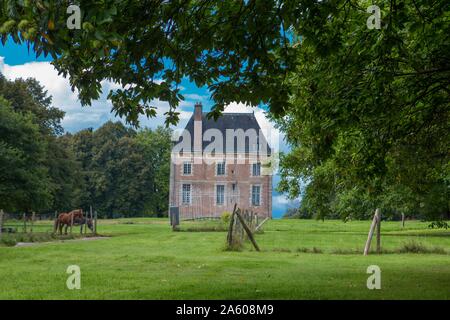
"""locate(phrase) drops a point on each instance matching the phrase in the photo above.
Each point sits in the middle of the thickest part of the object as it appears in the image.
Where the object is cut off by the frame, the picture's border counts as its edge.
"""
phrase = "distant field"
(145, 259)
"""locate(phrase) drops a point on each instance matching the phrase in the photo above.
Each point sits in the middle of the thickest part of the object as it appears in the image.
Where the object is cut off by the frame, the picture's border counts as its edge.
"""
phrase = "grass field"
(144, 259)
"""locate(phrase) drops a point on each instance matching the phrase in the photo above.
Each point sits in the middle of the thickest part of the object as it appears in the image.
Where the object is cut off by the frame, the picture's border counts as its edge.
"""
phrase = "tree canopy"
(370, 126)
(25, 183)
(236, 48)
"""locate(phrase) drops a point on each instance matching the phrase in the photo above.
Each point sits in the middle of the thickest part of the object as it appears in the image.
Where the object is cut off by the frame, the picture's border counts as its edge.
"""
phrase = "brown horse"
(68, 219)
(84, 222)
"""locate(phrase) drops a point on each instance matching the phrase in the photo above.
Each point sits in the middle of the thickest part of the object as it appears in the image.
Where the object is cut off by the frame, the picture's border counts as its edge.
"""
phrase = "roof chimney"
(198, 133)
(198, 112)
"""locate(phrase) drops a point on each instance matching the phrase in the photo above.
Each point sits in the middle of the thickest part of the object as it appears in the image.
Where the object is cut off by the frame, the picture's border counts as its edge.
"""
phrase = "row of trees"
(117, 170)
(123, 172)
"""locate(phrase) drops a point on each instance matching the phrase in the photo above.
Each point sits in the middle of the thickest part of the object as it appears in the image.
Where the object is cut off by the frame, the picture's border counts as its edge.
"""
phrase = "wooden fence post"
(230, 228)
(247, 230)
(378, 213)
(71, 222)
(83, 225)
(90, 217)
(54, 222)
(24, 222)
(244, 218)
(252, 226)
(371, 231)
(95, 224)
(403, 220)
(1, 221)
(32, 221)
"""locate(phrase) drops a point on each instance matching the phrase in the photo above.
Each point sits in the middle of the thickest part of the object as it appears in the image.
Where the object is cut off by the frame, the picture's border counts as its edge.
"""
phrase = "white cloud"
(238, 107)
(196, 97)
(260, 114)
(78, 117)
(56, 85)
(281, 202)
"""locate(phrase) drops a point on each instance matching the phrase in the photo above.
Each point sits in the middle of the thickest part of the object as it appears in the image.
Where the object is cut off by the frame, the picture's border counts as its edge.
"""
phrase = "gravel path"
(30, 244)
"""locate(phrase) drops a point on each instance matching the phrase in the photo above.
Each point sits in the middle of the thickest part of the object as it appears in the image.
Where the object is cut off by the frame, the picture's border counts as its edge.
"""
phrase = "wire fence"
(32, 223)
(26, 223)
(204, 206)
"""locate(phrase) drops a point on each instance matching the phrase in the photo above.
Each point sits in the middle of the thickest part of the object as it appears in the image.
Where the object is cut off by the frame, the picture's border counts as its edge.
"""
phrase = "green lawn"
(146, 260)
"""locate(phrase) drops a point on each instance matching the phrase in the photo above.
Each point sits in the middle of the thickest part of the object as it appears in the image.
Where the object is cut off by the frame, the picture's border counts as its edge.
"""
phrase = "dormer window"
(256, 169)
(220, 169)
(187, 168)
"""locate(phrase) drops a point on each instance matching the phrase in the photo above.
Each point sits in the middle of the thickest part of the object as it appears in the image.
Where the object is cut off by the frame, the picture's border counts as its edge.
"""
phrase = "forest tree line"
(117, 170)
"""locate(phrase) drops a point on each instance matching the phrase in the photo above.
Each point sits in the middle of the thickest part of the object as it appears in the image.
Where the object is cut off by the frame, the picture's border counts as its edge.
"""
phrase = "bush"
(225, 217)
(438, 225)
(8, 241)
(297, 213)
(413, 247)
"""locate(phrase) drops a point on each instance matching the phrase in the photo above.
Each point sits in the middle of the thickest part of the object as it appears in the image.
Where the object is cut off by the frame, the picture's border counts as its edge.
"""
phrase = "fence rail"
(40, 223)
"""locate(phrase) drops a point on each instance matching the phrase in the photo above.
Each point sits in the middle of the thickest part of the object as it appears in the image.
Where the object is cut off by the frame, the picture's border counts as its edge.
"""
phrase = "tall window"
(256, 169)
(187, 168)
(220, 194)
(220, 169)
(256, 195)
(186, 194)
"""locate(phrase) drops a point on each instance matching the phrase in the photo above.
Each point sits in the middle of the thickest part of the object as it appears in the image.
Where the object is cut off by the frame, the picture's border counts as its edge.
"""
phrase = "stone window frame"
(252, 164)
(191, 165)
(224, 184)
(183, 203)
(216, 167)
(260, 195)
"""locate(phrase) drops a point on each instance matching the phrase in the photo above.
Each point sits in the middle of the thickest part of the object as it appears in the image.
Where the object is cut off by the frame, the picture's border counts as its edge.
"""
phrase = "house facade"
(216, 164)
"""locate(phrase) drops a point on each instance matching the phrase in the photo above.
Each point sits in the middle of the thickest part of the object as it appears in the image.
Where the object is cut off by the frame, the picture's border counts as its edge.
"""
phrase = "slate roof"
(233, 121)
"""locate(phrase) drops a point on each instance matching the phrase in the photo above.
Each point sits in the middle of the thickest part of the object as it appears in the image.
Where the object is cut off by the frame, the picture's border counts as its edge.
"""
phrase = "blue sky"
(17, 62)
